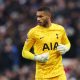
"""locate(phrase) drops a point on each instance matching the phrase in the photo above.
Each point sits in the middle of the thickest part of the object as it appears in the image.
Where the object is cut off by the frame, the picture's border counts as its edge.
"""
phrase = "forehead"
(40, 13)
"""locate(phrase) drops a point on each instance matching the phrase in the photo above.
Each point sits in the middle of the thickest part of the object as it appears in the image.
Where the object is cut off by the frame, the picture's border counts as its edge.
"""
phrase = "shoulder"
(58, 27)
(32, 31)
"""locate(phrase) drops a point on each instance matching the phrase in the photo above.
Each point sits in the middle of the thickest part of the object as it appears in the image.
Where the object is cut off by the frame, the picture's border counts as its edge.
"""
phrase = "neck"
(47, 24)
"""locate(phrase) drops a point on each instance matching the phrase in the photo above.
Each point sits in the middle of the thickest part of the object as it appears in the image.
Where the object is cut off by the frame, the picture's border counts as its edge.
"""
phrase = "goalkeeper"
(50, 42)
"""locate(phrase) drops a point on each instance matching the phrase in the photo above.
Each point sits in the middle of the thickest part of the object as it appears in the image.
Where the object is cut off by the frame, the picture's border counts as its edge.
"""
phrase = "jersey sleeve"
(28, 45)
(65, 39)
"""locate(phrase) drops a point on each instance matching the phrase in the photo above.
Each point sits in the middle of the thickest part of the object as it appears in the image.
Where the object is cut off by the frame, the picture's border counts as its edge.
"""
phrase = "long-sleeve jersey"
(46, 40)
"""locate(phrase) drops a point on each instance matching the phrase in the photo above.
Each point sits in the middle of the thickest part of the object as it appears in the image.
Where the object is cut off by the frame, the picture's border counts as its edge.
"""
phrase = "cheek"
(45, 19)
(42, 20)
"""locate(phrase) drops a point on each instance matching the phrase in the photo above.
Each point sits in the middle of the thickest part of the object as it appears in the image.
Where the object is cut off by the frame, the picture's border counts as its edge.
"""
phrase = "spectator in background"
(78, 38)
(9, 58)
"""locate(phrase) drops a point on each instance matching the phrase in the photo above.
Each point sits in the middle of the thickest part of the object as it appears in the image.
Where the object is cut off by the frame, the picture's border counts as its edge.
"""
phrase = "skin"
(43, 18)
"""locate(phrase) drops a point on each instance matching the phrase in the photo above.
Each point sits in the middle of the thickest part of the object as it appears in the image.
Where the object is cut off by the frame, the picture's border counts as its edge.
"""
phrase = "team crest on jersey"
(57, 36)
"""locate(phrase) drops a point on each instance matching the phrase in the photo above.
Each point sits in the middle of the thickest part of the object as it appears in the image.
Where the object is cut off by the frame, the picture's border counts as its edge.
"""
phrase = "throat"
(46, 25)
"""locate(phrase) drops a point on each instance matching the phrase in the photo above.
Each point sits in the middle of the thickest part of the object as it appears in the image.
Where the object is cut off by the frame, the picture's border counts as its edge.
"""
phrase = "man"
(50, 42)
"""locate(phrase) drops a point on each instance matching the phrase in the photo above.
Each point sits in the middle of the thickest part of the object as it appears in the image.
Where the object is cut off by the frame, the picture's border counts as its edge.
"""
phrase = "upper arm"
(65, 39)
(29, 41)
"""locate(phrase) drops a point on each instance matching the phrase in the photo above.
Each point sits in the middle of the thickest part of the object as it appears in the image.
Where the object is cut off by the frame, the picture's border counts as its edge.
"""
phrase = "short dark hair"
(46, 9)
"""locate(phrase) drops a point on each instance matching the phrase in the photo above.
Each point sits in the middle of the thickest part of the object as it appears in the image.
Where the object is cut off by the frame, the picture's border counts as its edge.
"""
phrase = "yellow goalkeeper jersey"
(46, 40)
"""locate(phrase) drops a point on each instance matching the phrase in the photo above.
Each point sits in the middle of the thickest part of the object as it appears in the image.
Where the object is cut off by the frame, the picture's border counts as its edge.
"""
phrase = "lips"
(39, 22)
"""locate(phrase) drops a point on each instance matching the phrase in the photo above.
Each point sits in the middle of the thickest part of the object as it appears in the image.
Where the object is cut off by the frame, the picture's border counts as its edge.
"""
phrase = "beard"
(44, 23)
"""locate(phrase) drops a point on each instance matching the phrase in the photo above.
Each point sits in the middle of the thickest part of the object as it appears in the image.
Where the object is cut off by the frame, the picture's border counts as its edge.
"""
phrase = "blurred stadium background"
(17, 17)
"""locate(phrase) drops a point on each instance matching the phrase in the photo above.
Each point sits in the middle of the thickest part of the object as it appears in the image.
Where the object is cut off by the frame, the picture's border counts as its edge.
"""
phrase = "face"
(42, 18)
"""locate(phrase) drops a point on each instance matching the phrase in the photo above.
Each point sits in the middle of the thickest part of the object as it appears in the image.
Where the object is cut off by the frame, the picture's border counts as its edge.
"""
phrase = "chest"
(49, 36)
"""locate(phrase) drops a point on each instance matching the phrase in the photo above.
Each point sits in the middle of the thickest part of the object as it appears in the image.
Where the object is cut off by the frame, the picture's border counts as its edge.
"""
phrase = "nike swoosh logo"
(41, 37)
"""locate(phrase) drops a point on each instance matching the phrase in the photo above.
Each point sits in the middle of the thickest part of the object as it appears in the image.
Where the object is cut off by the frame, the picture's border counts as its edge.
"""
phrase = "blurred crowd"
(17, 17)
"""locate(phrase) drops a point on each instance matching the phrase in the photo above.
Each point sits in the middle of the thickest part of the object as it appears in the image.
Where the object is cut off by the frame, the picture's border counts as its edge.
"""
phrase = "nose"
(38, 19)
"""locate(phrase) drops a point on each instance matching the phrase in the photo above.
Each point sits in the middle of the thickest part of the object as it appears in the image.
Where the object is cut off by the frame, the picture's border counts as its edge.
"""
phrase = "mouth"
(39, 22)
